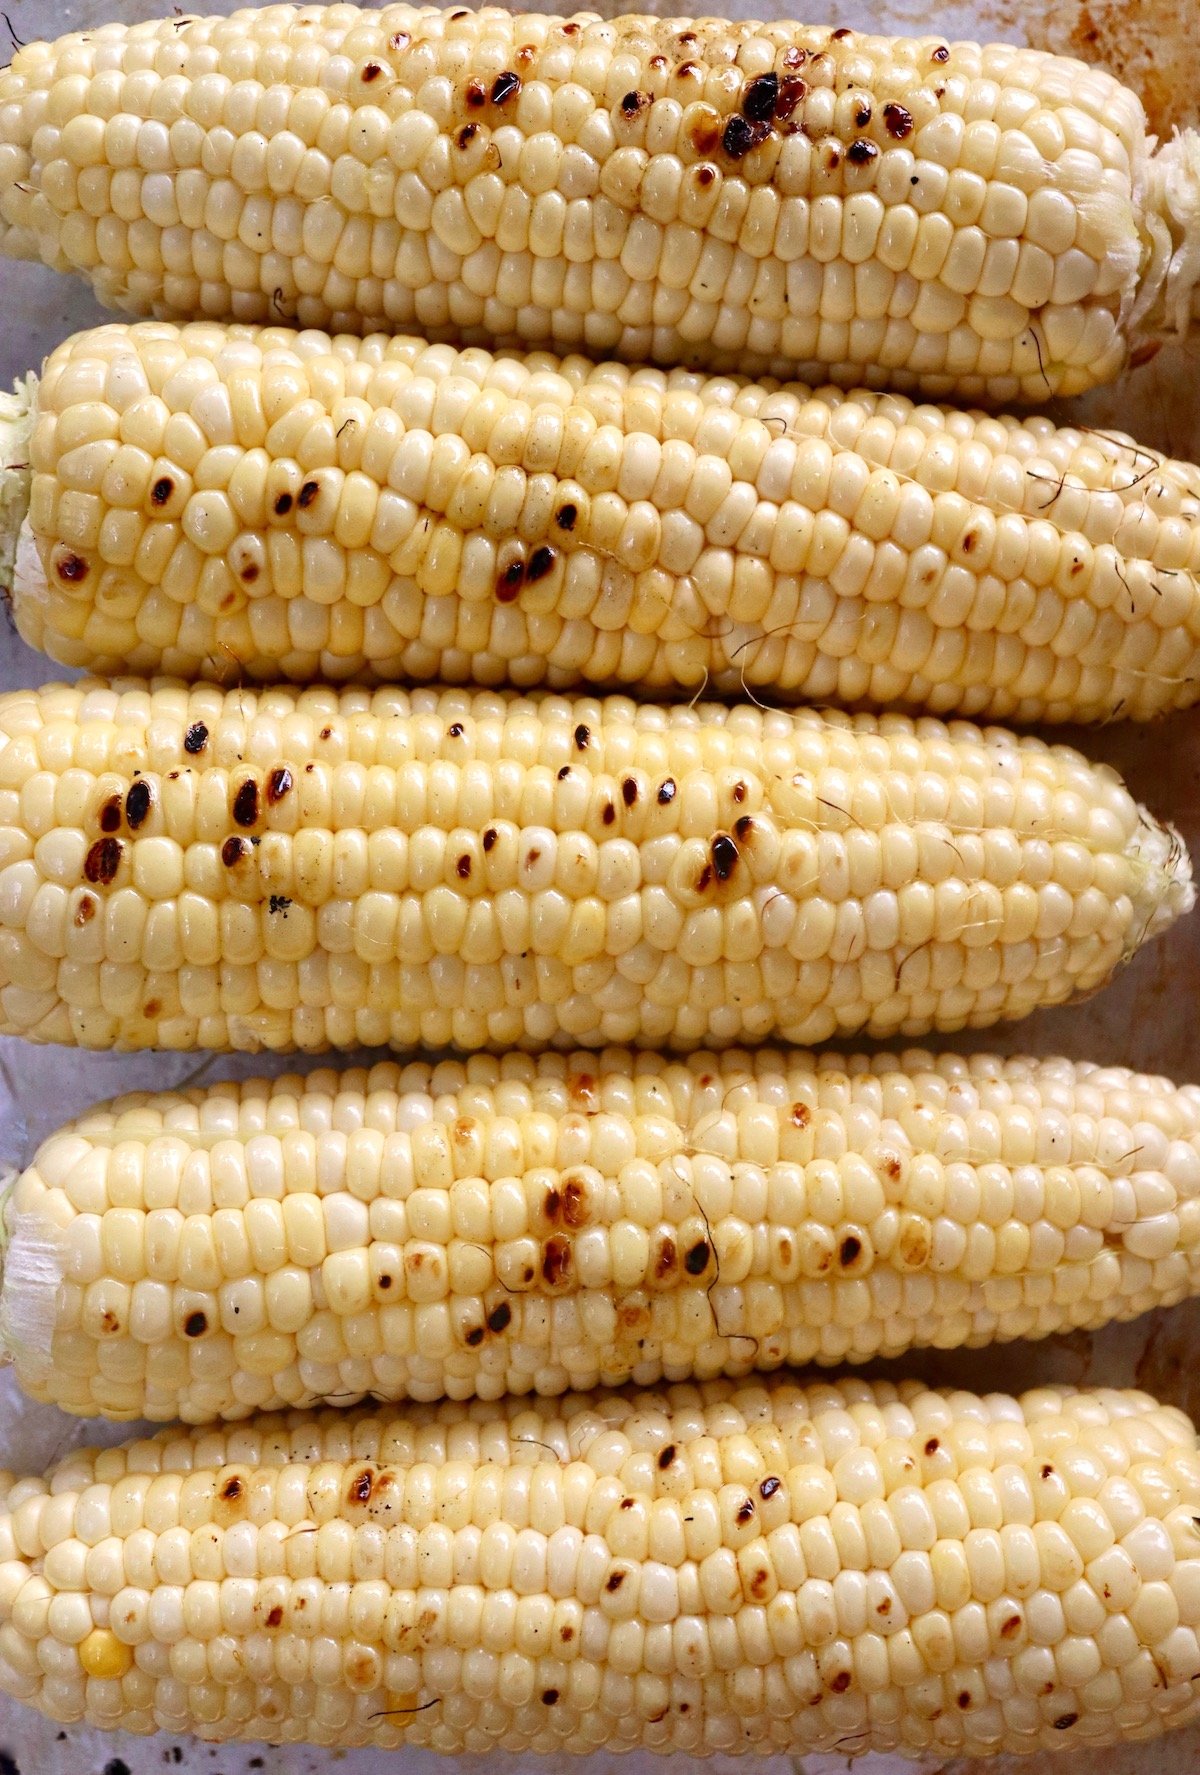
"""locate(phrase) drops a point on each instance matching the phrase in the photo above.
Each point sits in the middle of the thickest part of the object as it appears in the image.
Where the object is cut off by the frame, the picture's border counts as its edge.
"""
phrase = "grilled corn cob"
(188, 867)
(209, 500)
(528, 1226)
(714, 1568)
(768, 198)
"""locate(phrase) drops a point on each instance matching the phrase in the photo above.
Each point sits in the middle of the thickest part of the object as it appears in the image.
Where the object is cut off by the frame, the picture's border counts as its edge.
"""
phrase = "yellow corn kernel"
(185, 867)
(759, 1567)
(591, 1219)
(770, 198)
(549, 521)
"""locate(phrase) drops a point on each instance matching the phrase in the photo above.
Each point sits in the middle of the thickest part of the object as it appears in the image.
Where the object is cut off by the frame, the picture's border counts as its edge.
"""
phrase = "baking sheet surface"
(1145, 1019)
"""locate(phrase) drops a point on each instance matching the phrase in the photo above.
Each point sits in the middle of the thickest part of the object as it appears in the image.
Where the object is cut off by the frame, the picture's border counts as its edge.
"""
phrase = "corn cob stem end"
(1174, 208)
(31, 1274)
(16, 430)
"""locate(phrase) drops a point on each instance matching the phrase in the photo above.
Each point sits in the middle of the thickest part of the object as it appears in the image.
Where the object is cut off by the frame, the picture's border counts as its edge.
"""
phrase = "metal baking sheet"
(1145, 1019)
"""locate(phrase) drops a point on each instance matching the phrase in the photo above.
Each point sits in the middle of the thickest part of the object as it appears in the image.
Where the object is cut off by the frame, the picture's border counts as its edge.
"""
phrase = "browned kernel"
(103, 860)
(233, 850)
(162, 490)
(245, 803)
(137, 803)
(278, 784)
(897, 121)
(505, 86)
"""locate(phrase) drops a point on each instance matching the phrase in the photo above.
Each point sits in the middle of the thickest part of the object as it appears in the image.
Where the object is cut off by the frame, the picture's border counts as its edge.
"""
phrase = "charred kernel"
(283, 505)
(556, 1260)
(278, 784)
(1065, 1721)
(505, 86)
(582, 736)
(801, 1115)
(932, 1446)
(739, 791)
(850, 1251)
(455, 730)
(361, 1487)
(792, 91)
(744, 827)
(566, 515)
(85, 912)
(307, 494)
(326, 733)
(500, 1317)
(705, 174)
(608, 813)
(615, 1581)
(758, 100)
(862, 116)
(162, 490)
(769, 1487)
(371, 71)
(231, 1491)
(549, 1696)
(724, 856)
(897, 121)
(665, 1457)
(245, 803)
(196, 738)
(467, 134)
(279, 903)
(564, 772)
(475, 1336)
(110, 814)
(745, 1510)
(195, 1325)
(71, 567)
(233, 850)
(540, 563)
(476, 94)
(629, 791)
(138, 803)
(696, 1261)
(509, 584)
(666, 791)
(103, 860)
(940, 54)
(841, 1682)
(740, 136)
(704, 879)
(861, 152)
(489, 838)
(249, 573)
(633, 102)
(463, 867)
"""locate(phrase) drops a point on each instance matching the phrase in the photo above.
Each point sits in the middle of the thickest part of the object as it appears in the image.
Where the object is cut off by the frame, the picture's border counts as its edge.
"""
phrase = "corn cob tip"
(1173, 215)
(16, 430)
(1168, 890)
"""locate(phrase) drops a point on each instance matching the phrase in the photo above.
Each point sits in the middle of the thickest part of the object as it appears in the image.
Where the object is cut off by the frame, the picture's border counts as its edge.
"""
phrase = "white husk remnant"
(30, 1279)
(17, 412)
(1175, 197)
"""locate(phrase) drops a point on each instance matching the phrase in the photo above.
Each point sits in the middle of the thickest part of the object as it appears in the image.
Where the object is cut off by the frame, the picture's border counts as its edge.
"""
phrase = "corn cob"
(212, 500)
(187, 867)
(527, 1226)
(768, 198)
(717, 1568)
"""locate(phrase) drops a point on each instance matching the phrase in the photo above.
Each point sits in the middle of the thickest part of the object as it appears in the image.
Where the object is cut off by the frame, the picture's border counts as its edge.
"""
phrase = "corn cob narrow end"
(16, 431)
(1168, 890)
(1171, 278)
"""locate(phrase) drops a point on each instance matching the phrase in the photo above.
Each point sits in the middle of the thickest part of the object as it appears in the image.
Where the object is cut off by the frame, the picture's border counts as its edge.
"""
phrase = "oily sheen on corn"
(182, 867)
(762, 197)
(708, 1569)
(519, 1225)
(212, 501)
